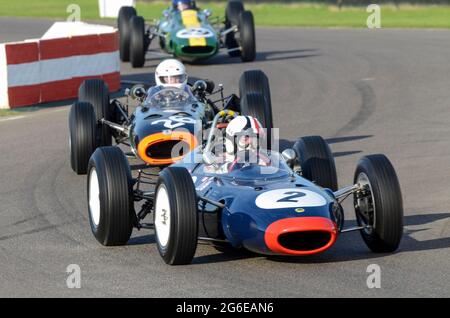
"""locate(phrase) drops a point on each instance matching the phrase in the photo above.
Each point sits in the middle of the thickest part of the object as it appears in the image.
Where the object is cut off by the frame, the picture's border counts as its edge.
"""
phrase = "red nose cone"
(301, 235)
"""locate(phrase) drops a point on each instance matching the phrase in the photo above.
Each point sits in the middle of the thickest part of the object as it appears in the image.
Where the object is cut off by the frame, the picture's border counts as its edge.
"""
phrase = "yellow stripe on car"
(190, 20)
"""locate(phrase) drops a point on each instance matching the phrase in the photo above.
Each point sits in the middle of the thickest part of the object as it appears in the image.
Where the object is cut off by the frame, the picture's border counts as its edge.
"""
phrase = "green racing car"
(188, 33)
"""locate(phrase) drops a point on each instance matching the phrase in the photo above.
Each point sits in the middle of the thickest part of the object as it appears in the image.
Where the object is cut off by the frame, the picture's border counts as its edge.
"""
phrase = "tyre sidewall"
(123, 24)
(166, 252)
(385, 197)
(137, 49)
(247, 36)
(82, 137)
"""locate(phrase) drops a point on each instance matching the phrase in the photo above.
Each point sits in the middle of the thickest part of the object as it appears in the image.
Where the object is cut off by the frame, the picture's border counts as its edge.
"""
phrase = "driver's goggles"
(174, 79)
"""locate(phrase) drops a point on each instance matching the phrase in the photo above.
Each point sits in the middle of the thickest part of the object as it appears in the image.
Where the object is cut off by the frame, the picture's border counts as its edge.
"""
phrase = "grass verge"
(268, 14)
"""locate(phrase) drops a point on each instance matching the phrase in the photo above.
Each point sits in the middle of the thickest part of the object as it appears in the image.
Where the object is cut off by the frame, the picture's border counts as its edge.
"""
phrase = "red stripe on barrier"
(24, 95)
(66, 89)
(79, 45)
(20, 96)
(113, 81)
(17, 53)
(110, 41)
(55, 48)
(86, 44)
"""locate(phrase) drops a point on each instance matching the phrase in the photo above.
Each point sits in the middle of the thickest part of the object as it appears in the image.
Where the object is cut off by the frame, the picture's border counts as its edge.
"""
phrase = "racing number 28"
(175, 121)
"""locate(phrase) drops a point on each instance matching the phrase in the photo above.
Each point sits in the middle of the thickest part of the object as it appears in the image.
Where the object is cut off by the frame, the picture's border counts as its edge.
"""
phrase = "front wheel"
(379, 205)
(110, 196)
(82, 135)
(176, 218)
(137, 41)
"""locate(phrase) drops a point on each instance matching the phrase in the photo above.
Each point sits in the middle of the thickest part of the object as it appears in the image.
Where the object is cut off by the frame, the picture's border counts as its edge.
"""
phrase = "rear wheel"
(255, 105)
(316, 161)
(123, 24)
(110, 198)
(247, 36)
(95, 92)
(82, 140)
(176, 217)
(137, 41)
(255, 81)
(379, 206)
(232, 12)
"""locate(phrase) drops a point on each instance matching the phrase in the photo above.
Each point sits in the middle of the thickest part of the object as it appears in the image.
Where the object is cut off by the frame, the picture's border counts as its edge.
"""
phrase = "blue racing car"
(238, 191)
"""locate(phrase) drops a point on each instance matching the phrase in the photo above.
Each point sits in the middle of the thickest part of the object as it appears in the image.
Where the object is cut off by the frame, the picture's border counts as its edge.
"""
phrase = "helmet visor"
(174, 79)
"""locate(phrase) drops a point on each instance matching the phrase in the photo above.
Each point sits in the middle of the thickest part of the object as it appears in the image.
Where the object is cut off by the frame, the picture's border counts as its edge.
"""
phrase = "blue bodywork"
(242, 221)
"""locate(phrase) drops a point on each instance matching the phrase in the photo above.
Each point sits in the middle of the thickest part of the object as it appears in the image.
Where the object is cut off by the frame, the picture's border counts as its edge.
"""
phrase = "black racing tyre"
(247, 36)
(255, 105)
(176, 216)
(162, 43)
(82, 139)
(232, 12)
(255, 81)
(231, 43)
(137, 41)
(123, 24)
(96, 92)
(110, 196)
(316, 161)
(380, 206)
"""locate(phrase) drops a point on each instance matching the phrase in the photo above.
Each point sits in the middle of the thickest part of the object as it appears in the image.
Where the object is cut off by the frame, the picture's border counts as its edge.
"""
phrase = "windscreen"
(169, 98)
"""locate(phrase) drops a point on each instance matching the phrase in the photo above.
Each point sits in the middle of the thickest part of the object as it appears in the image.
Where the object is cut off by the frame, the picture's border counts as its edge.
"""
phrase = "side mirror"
(199, 86)
(138, 92)
(166, 13)
(289, 155)
(207, 13)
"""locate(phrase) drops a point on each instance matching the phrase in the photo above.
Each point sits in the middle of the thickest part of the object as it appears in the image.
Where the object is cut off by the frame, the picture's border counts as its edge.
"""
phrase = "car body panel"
(251, 207)
(188, 35)
(155, 126)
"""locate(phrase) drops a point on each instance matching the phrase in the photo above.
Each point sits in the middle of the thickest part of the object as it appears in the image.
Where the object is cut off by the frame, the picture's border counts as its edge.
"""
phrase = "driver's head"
(182, 5)
(171, 73)
(243, 133)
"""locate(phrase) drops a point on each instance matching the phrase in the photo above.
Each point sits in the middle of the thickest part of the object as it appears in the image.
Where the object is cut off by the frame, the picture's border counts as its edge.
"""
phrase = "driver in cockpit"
(182, 5)
(244, 136)
(170, 73)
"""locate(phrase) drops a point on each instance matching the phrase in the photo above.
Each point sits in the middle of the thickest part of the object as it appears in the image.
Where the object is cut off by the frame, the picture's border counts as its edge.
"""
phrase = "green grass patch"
(7, 112)
(268, 14)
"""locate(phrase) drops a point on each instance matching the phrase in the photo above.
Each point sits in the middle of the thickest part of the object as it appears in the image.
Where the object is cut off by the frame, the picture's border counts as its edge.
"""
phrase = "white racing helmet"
(171, 73)
(243, 133)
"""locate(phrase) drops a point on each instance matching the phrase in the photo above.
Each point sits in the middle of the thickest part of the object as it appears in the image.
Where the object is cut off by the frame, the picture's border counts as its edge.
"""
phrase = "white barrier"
(53, 67)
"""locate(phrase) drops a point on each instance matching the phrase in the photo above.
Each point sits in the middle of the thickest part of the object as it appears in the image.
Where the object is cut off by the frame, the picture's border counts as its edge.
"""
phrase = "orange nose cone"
(164, 141)
(301, 235)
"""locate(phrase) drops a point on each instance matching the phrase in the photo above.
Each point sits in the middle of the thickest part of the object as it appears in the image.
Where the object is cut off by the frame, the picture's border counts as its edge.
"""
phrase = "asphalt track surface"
(383, 91)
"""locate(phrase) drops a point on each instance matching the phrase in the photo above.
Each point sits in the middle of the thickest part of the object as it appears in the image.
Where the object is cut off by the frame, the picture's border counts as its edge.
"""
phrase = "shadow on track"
(286, 143)
(262, 56)
(351, 247)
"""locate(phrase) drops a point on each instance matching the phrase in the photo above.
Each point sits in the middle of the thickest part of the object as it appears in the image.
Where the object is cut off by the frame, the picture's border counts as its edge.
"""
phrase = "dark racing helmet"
(183, 4)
